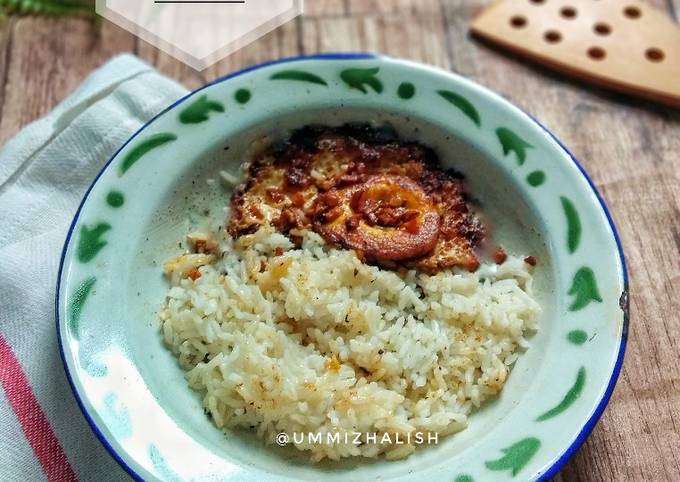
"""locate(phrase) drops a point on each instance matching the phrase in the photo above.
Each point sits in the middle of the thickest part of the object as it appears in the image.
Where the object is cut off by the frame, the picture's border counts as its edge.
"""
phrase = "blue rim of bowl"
(624, 302)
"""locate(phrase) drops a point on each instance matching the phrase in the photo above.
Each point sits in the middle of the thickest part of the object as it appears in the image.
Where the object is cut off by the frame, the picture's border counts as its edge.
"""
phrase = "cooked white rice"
(314, 340)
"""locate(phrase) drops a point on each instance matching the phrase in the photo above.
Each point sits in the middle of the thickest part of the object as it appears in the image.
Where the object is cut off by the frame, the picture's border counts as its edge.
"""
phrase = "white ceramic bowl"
(131, 388)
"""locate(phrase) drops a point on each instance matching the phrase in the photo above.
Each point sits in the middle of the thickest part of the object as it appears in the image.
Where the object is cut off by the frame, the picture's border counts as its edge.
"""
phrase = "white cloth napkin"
(44, 172)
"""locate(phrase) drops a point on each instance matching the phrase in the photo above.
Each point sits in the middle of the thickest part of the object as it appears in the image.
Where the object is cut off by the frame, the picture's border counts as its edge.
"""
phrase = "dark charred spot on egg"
(362, 188)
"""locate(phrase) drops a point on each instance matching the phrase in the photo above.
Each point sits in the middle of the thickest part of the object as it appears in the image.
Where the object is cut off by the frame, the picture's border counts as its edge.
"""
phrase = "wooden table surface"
(630, 147)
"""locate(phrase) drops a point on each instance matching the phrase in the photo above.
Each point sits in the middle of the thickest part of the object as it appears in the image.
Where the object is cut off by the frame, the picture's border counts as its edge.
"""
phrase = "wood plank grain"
(421, 38)
(403, 7)
(569, 44)
(6, 29)
(48, 58)
(317, 8)
(629, 148)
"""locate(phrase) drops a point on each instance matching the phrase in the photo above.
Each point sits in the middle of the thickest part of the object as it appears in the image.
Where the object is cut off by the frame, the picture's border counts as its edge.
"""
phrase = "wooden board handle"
(625, 45)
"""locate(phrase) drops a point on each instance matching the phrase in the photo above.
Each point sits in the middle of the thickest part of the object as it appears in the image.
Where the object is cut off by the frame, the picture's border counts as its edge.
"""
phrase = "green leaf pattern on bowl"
(365, 81)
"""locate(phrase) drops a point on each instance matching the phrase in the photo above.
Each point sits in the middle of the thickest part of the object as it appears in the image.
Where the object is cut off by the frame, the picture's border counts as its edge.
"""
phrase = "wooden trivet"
(625, 45)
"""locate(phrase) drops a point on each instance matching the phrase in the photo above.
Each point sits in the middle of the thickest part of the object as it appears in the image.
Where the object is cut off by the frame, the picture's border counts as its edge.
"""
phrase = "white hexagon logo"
(199, 32)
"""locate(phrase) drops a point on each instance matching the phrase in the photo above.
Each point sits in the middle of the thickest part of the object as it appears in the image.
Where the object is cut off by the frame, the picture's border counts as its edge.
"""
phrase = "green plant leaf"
(47, 7)
(463, 104)
(516, 456)
(511, 142)
(584, 289)
(360, 79)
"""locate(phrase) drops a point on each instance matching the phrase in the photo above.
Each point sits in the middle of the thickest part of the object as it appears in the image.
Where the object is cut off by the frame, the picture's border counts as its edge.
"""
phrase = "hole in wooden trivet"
(568, 12)
(654, 55)
(552, 36)
(596, 53)
(537, 2)
(518, 21)
(632, 12)
(602, 28)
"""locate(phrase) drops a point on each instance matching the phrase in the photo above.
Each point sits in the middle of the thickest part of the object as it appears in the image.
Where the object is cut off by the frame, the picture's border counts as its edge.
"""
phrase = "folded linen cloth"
(44, 173)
